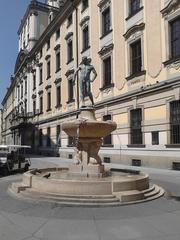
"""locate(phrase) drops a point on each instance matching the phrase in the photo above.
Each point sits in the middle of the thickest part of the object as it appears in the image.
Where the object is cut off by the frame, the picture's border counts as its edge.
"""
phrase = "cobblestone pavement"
(156, 220)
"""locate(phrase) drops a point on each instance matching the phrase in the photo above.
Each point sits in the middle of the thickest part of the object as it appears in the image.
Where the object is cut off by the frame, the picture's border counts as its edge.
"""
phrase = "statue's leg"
(82, 92)
(89, 93)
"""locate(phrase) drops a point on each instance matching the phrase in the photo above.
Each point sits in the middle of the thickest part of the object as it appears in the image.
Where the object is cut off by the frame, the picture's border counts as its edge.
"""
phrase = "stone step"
(152, 193)
(17, 187)
(129, 196)
(72, 196)
(40, 196)
(152, 188)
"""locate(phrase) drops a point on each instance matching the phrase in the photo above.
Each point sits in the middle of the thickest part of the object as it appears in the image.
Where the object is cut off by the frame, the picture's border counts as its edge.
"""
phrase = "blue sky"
(11, 13)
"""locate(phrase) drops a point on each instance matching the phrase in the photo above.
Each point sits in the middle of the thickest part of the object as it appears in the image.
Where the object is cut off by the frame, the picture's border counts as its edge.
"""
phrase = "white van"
(13, 158)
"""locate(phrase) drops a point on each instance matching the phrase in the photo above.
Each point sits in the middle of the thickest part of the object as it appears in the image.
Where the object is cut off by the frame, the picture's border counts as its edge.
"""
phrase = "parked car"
(13, 158)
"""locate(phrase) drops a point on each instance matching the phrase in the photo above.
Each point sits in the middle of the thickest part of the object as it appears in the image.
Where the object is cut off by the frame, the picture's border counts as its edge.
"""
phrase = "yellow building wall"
(155, 113)
(121, 119)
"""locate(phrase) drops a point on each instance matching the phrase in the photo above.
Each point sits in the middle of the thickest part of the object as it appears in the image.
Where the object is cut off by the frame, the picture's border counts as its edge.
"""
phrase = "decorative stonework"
(106, 49)
(103, 4)
(70, 34)
(69, 72)
(58, 80)
(85, 20)
(134, 31)
(48, 87)
(57, 47)
(40, 92)
(47, 57)
(175, 65)
(33, 96)
(171, 7)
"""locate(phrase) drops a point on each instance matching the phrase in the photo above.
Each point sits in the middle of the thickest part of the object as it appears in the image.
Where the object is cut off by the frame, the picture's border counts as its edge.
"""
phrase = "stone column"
(33, 29)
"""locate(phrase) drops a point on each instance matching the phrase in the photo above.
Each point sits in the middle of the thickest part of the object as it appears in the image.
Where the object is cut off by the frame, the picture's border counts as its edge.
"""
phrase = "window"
(18, 91)
(58, 132)
(22, 90)
(70, 141)
(135, 58)
(25, 83)
(34, 107)
(155, 138)
(57, 34)
(40, 75)
(48, 137)
(85, 38)
(40, 138)
(107, 72)
(175, 38)
(70, 51)
(58, 62)
(135, 125)
(48, 69)
(48, 44)
(34, 80)
(40, 53)
(85, 4)
(108, 139)
(134, 6)
(106, 22)
(69, 20)
(41, 104)
(48, 101)
(58, 96)
(25, 106)
(70, 90)
(175, 122)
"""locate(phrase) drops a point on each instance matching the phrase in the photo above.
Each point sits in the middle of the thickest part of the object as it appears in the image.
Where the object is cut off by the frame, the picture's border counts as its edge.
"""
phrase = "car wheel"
(26, 168)
(5, 171)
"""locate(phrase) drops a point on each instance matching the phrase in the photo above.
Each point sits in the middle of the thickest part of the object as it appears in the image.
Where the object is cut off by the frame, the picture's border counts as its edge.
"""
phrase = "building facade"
(135, 48)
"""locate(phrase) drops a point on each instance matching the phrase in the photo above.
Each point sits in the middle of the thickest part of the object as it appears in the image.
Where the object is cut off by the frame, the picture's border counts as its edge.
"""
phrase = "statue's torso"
(85, 71)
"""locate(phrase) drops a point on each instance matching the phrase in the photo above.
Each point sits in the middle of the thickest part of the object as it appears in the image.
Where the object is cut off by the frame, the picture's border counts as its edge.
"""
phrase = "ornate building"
(135, 48)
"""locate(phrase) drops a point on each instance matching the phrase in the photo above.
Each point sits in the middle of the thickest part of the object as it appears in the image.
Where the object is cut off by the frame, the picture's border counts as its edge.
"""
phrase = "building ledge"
(134, 13)
(172, 60)
(172, 145)
(106, 87)
(136, 146)
(138, 74)
(105, 34)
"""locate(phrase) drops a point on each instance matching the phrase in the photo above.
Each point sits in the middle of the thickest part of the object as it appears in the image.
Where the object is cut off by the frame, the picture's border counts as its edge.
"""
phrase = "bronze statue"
(85, 68)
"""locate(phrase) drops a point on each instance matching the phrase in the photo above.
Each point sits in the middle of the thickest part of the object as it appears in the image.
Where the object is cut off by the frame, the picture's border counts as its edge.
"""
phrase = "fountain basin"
(112, 190)
(88, 128)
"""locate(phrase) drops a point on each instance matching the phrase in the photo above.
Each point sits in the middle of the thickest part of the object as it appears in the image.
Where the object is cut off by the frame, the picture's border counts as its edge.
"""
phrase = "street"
(155, 220)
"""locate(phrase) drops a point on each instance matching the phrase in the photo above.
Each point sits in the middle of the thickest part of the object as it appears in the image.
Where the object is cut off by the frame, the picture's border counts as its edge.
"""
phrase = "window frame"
(107, 83)
(138, 63)
(108, 140)
(136, 127)
(172, 56)
(69, 51)
(104, 30)
(132, 11)
(85, 38)
(85, 5)
(49, 102)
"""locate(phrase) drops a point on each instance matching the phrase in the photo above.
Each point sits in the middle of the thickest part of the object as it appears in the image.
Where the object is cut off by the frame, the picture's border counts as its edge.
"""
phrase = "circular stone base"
(56, 185)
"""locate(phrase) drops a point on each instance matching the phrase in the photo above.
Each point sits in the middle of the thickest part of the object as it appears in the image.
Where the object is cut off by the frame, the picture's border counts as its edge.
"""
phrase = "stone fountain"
(88, 133)
(86, 181)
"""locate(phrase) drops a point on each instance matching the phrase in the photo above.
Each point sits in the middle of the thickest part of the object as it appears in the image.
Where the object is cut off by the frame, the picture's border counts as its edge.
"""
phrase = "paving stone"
(127, 229)
(68, 230)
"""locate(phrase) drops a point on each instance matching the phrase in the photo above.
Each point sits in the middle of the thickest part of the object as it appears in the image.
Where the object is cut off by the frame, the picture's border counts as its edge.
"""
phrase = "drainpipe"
(77, 54)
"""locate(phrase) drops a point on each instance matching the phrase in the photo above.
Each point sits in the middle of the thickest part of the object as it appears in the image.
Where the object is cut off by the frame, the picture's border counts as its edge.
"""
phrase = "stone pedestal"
(91, 170)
